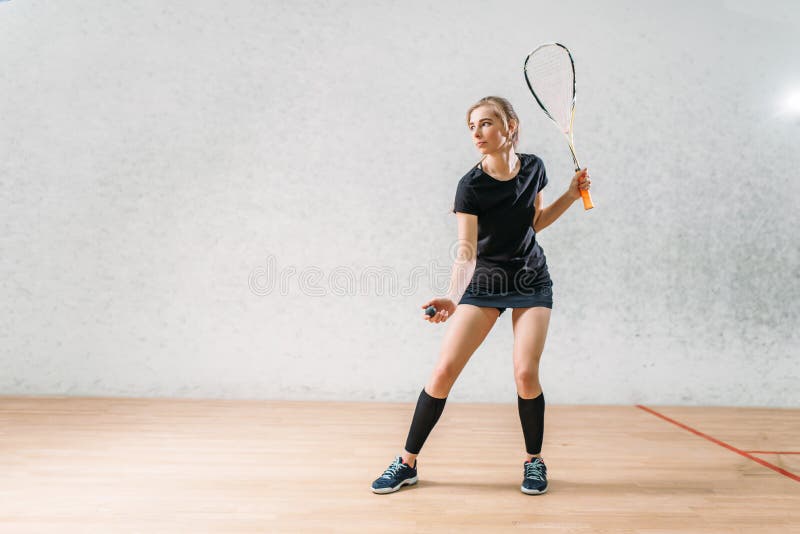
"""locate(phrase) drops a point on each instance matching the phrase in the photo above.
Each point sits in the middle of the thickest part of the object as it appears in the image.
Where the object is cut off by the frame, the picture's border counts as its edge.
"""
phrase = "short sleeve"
(466, 201)
(542, 177)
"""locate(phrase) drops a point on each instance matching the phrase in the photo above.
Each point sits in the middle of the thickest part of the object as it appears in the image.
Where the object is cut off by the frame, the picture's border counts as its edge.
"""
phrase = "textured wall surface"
(251, 199)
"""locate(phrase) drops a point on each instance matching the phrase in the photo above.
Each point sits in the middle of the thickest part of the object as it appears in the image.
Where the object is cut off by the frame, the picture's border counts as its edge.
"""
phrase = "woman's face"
(487, 130)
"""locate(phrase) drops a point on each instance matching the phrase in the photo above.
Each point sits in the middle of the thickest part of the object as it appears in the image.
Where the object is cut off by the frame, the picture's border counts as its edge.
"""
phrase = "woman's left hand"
(579, 182)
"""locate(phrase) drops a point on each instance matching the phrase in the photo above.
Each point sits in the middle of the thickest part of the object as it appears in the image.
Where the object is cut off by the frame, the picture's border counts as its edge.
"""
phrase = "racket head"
(550, 75)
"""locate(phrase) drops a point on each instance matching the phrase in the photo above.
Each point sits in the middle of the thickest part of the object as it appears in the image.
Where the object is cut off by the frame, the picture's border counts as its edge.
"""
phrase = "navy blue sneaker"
(397, 474)
(535, 481)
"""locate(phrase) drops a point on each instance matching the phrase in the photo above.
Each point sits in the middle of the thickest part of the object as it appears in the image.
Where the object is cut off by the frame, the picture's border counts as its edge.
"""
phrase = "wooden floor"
(175, 466)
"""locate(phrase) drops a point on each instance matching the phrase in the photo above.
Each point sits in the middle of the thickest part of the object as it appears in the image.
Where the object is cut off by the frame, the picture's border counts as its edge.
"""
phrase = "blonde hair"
(502, 109)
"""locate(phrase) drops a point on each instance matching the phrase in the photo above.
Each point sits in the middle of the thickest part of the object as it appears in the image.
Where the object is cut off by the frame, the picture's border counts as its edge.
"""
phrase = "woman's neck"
(501, 164)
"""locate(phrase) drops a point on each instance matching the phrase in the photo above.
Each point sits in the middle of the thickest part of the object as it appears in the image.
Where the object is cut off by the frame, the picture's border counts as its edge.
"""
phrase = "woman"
(500, 209)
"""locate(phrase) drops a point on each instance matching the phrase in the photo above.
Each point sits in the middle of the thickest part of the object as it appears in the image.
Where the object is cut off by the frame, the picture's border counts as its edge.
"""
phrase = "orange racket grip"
(587, 199)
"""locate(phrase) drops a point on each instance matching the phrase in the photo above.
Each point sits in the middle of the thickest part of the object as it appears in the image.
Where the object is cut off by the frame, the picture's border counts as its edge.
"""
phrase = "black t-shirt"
(509, 258)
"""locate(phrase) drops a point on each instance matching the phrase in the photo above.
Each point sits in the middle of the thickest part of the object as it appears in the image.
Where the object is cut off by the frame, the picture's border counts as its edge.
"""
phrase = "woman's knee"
(444, 376)
(526, 375)
(452, 361)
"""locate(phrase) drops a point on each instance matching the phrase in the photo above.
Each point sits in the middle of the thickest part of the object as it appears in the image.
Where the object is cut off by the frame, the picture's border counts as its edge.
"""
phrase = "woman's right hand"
(445, 308)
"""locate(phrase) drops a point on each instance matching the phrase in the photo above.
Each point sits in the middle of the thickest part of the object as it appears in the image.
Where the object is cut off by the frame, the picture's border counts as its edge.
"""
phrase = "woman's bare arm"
(544, 217)
(466, 256)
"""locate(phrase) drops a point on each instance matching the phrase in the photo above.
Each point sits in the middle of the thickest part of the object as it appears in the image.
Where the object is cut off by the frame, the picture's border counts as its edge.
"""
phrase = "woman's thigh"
(530, 332)
(468, 327)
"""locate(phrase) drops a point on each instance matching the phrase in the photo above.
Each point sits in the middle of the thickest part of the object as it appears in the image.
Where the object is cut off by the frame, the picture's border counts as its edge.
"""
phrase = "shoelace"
(392, 470)
(534, 470)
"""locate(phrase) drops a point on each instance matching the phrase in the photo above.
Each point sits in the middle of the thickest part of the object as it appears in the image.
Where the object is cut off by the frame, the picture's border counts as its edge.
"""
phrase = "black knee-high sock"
(425, 416)
(531, 415)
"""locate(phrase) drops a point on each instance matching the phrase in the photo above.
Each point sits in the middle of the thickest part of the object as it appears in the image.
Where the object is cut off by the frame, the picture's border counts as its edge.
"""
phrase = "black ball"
(430, 311)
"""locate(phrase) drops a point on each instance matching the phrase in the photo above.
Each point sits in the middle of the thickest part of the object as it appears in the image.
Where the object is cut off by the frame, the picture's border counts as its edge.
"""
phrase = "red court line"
(723, 444)
(773, 452)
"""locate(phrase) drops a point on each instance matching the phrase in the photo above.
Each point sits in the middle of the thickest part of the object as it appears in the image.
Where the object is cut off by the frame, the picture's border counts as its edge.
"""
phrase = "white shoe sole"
(409, 481)
(532, 491)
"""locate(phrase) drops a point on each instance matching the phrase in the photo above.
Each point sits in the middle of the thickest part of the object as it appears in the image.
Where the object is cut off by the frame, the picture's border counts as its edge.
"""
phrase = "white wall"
(157, 157)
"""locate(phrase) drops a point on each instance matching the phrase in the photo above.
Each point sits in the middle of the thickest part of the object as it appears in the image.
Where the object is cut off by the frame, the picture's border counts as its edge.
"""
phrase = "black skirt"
(540, 295)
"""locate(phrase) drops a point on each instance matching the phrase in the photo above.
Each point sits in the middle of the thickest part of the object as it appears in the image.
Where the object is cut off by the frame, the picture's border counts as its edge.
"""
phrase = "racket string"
(552, 79)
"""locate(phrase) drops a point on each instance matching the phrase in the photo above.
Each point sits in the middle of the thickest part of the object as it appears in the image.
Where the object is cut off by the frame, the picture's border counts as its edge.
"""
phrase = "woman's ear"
(512, 126)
